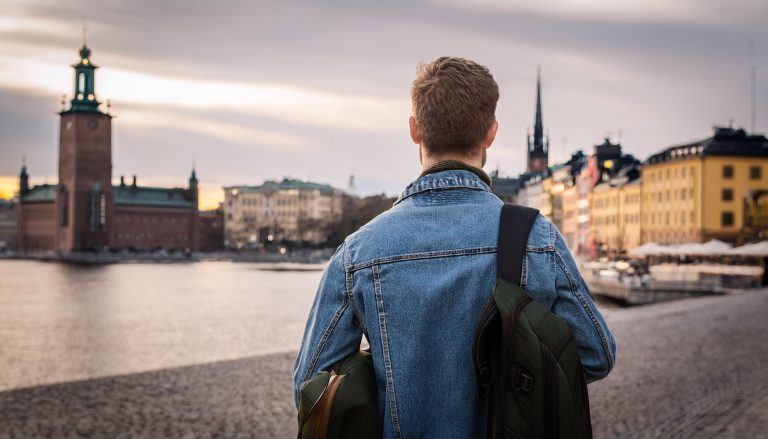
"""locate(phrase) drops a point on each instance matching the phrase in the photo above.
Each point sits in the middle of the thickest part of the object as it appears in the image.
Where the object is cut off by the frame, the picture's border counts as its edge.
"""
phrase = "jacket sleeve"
(331, 333)
(574, 304)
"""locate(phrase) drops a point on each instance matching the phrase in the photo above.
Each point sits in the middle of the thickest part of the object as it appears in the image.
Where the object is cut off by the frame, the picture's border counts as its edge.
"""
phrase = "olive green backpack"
(341, 402)
(525, 357)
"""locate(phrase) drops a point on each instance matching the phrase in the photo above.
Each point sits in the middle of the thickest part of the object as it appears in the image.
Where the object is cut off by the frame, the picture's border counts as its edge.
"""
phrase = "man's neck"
(449, 164)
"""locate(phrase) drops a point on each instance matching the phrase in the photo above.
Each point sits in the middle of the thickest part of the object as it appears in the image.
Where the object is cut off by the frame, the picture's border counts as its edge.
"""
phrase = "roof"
(724, 142)
(126, 195)
(504, 187)
(286, 183)
(44, 193)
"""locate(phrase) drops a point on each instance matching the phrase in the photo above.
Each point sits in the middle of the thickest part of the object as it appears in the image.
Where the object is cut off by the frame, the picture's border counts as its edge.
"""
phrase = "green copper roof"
(44, 193)
(153, 196)
(287, 183)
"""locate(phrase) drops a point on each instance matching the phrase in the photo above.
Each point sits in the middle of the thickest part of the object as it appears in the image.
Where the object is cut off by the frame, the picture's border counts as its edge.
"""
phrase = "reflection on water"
(63, 322)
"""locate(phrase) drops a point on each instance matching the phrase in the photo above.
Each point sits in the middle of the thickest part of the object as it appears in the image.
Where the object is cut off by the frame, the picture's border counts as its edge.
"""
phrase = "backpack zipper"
(550, 395)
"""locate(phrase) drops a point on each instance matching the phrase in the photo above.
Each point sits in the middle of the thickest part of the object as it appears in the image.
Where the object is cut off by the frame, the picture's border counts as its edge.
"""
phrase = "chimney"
(122, 181)
(134, 181)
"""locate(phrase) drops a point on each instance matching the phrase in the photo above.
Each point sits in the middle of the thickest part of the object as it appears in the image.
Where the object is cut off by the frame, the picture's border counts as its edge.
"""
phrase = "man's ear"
(415, 134)
(490, 136)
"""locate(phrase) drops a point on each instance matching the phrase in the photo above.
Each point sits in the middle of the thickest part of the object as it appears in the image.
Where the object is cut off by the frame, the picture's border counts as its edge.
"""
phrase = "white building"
(285, 211)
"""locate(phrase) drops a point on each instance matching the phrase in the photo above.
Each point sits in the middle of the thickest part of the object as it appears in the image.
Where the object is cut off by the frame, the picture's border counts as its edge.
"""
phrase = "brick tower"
(84, 199)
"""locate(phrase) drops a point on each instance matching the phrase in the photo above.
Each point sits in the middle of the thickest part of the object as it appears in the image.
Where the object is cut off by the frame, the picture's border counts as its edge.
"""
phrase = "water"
(62, 322)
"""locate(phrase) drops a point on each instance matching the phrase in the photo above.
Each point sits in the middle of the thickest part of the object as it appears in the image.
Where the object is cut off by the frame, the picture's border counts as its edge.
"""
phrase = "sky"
(246, 91)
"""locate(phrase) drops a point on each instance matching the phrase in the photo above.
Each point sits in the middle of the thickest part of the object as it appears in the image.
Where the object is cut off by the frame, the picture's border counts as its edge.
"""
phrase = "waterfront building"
(630, 210)
(84, 211)
(287, 211)
(614, 211)
(603, 219)
(532, 193)
(7, 226)
(716, 188)
(506, 188)
(212, 230)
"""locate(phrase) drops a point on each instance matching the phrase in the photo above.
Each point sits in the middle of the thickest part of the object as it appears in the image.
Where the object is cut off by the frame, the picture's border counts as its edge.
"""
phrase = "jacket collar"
(446, 165)
(445, 180)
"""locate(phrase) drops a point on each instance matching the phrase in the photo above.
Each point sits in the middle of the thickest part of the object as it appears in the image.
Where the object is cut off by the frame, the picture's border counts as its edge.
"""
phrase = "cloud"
(255, 90)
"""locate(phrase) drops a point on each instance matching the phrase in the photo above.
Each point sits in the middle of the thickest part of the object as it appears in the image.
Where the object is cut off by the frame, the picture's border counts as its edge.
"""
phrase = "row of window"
(668, 195)
(153, 220)
(148, 235)
(678, 171)
(755, 172)
(607, 220)
(38, 214)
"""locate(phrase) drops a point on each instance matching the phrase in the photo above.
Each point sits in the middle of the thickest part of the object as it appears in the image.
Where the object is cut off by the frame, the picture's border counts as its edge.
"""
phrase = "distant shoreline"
(300, 257)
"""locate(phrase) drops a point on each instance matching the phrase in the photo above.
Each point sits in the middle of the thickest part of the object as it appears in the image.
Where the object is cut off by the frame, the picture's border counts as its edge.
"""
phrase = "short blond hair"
(454, 104)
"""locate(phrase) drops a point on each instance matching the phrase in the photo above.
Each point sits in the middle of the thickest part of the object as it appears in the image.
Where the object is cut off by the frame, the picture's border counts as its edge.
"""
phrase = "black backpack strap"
(515, 224)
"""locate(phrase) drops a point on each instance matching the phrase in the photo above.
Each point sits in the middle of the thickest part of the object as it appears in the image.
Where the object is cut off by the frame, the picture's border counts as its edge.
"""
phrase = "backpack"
(341, 402)
(525, 358)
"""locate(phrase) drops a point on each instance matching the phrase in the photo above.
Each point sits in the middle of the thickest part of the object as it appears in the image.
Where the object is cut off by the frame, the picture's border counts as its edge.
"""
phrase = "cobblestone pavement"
(693, 368)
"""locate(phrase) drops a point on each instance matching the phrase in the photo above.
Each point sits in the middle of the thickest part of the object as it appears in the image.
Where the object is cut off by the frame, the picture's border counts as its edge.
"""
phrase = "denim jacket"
(414, 281)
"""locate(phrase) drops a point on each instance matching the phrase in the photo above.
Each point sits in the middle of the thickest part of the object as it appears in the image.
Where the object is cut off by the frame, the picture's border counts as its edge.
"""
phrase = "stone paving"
(695, 368)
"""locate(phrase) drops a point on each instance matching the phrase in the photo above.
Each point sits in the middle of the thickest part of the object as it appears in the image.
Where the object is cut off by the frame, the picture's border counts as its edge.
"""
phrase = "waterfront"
(206, 349)
(68, 322)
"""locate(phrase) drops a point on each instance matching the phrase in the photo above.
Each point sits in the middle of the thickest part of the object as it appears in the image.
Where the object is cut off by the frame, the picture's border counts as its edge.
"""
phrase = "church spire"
(84, 92)
(538, 147)
(538, 127)
(23, 178)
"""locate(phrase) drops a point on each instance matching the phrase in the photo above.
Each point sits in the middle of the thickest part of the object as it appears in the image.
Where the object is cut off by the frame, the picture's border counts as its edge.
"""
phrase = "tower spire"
(538, 147)
(538, 128)
(23, 177)
(84, 94)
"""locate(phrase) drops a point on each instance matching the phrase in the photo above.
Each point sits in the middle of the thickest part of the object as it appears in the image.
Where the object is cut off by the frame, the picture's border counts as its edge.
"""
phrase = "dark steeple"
(84, 94)
(193, 183)
(538, 147)
(23, 179)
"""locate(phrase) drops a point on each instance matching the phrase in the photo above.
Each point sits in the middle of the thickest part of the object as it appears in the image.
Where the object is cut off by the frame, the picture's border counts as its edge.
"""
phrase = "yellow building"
(630, 209)
(604, 219)
(715, 188)
(570, 209)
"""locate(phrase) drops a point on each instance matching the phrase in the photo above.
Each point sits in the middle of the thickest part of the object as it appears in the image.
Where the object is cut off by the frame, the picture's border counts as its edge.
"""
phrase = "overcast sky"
(251, 90)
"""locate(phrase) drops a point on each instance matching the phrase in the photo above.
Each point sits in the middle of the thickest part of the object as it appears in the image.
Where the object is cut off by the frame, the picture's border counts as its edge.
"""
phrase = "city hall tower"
(84, 201)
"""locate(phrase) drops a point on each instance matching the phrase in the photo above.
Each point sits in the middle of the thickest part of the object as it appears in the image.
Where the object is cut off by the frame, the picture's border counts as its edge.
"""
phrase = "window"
(727, 171)
(727, 219)
(727, 194)
(682, 194)
(754, 172)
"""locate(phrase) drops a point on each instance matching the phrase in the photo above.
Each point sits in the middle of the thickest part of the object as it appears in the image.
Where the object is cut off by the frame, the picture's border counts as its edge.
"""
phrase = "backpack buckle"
(526, 383)
(520, 380)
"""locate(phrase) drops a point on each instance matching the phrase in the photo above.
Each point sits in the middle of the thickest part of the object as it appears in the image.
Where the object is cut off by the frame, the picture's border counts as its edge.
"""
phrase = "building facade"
(716, 188)
(84, 211)
(288, 211)
(7, 226)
